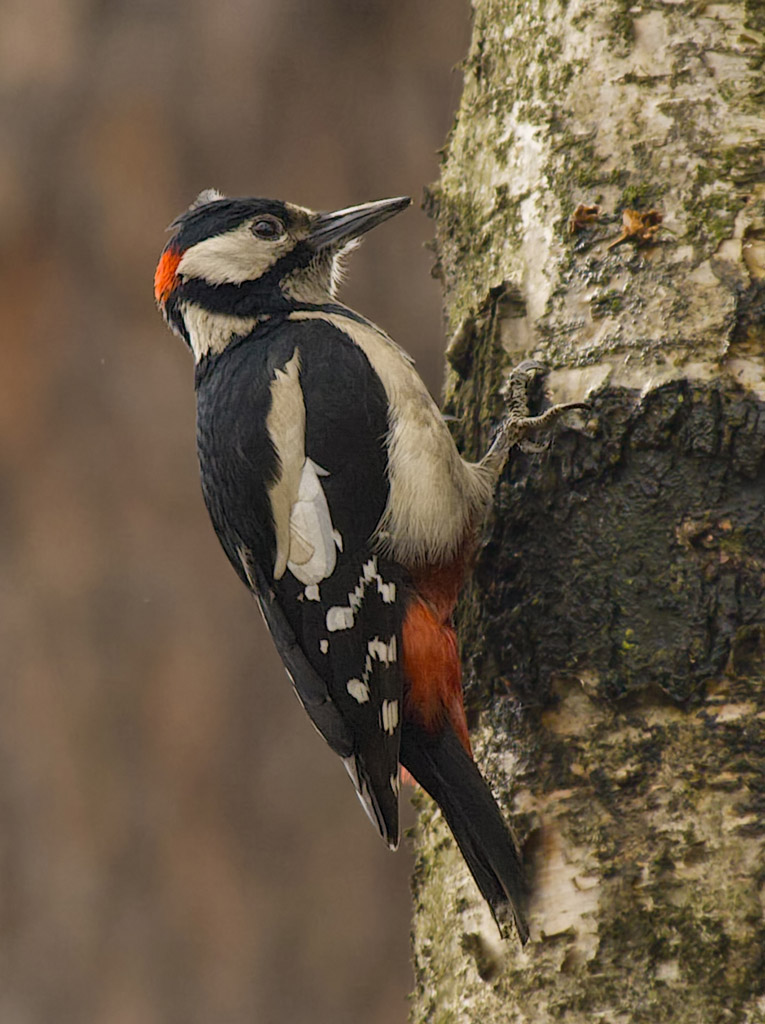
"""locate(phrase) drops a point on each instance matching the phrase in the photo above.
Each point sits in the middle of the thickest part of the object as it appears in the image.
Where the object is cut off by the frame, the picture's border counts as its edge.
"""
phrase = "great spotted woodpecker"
(340, 499)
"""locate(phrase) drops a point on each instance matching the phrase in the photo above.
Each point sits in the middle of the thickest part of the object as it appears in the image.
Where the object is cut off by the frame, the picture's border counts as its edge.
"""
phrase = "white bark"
(614, 630)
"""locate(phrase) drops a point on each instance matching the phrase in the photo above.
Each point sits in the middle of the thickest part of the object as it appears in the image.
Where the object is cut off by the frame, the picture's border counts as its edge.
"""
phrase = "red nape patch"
(165, 274)
(433, 671)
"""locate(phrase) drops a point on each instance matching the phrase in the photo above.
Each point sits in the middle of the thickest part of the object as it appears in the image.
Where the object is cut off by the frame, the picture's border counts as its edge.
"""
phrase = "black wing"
(333, 606)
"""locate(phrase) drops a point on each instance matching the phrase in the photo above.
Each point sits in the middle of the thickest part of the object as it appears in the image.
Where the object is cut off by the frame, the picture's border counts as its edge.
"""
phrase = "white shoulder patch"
(285, 424)
(306, 540)
(312, 536)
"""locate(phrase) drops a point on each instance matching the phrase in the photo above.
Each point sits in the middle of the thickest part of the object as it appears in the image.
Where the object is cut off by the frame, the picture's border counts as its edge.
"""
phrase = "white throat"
(211, 333)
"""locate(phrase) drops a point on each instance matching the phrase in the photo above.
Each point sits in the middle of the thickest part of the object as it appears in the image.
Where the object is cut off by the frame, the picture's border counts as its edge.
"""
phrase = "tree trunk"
(602, 208)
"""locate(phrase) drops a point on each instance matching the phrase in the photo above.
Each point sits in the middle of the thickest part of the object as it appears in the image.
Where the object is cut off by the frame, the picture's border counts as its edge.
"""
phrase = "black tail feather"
(446, 771)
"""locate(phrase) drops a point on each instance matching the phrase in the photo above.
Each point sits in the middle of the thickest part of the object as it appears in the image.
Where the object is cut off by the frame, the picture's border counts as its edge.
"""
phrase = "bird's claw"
(520, 382)
(516, 392)
(518, 424)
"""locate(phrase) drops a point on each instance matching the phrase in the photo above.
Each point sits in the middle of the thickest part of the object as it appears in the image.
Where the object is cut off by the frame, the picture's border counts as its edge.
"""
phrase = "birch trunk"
(613, 630)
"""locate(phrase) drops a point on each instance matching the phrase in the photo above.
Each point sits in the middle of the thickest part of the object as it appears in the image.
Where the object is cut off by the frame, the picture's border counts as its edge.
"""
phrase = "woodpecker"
(340, 499)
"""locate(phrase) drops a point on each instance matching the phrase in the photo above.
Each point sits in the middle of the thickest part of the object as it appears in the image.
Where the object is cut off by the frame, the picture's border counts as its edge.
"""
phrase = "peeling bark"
(614, 629)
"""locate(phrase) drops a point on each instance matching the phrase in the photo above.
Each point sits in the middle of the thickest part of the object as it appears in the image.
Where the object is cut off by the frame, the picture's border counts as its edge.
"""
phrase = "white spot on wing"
(312, 592)
(369, 574)
(389, 716)
(386, 653)
(377, 649)
(323, 646)
(358, 690)
(312, 537)
(339, 618)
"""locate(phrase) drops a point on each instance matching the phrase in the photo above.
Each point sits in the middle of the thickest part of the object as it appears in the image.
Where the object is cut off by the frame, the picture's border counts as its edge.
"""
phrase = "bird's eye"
(268, 228)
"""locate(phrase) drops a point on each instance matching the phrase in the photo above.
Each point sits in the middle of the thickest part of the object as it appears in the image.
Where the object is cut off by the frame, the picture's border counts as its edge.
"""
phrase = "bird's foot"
(522, 382)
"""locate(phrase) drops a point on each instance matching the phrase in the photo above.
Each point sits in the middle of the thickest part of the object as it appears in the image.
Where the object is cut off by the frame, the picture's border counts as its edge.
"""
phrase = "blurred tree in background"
(175, 843)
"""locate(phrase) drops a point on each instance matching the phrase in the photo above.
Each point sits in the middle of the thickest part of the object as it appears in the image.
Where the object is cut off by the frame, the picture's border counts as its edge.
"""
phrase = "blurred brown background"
(176, 844)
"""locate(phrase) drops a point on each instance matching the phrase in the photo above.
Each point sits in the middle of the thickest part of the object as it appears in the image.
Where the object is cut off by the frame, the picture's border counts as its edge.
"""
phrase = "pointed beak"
(343, 225)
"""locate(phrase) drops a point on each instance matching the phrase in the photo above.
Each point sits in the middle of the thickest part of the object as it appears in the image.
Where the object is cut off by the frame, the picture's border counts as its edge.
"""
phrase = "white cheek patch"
(232, 257)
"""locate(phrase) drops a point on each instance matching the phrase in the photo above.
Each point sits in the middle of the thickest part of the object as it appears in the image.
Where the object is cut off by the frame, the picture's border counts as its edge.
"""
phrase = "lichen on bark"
(614, 628)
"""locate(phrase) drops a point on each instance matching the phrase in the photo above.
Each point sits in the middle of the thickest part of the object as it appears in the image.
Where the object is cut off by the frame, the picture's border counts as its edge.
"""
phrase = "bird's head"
(250, 257)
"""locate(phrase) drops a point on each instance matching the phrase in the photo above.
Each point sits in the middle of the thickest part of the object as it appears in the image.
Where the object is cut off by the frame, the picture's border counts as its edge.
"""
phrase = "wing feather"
(313, 457)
